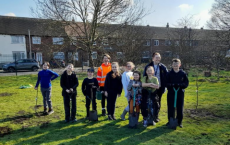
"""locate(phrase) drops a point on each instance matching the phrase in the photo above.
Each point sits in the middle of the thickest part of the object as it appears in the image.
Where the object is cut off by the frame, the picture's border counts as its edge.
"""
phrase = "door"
(21, 64)
(39, 58)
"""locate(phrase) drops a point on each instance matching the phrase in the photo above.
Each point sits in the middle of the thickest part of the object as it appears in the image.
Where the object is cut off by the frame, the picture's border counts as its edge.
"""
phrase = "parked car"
(22, 64)
(56, 63)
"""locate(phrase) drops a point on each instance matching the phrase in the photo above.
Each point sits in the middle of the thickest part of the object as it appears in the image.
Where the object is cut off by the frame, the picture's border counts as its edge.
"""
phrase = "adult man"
(101, 75)
(160, 72)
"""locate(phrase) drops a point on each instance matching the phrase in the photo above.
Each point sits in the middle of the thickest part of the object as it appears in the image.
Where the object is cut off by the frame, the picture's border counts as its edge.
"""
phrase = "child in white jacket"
(126, 77)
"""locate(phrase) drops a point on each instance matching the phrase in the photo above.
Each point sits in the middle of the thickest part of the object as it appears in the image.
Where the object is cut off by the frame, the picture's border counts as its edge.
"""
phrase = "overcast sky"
(161, 11)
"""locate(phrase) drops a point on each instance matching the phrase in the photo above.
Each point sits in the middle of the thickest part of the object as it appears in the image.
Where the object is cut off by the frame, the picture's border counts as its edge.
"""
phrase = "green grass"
(210, 125)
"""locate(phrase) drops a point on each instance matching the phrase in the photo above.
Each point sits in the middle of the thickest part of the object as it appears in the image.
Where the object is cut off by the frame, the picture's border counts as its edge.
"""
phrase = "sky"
(160, 12)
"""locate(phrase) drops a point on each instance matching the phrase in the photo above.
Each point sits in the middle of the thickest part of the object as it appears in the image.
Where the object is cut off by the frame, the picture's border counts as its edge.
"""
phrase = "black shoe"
(167, 124)
(66, 121)
(110, 117)
(114, 117)
(103, 112)
(50, 111)
(157, 120)
(74, 120)
(180, 125)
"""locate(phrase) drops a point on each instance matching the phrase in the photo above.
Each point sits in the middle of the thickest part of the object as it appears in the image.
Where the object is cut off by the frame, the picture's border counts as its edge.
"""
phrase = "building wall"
(7, 48)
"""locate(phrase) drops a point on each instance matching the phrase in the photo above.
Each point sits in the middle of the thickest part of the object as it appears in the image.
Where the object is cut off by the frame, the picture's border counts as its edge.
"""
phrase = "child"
(69, 83)
(126, 77)
(89, 86)
(113, 88)
(44, 78)
(150, 99)
(135, 88)
(176, 80)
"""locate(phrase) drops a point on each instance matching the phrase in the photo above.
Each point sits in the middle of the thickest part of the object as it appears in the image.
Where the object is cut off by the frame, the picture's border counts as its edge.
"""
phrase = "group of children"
(142, 93)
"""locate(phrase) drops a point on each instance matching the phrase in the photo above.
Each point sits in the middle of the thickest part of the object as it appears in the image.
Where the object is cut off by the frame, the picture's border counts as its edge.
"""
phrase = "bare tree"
(220, 23)
(183, 40)
(93, 17)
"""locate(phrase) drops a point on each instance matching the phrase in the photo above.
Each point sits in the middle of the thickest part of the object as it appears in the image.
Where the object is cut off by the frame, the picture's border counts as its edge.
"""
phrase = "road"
(20, 73)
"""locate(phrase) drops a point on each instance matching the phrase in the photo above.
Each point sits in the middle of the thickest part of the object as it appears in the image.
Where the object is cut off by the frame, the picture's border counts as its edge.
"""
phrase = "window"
(120, 42)
(36, 40)
(19, 55)
(94, 55)
(147, 43)
(94, 43)
(17, 39)
(105, 41)
(76, 56)
(177, 43)
(167, 42)
(119, 55)
(156, 42)
(70, 55)
(146, 54)
(58, 40)
(107, 48)
(59, 55)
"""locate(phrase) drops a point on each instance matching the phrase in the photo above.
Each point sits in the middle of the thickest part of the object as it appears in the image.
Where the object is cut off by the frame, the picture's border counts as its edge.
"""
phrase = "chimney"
(147, 25)
(202, 28)
(185, 27)
(73, 20)
(167, 26)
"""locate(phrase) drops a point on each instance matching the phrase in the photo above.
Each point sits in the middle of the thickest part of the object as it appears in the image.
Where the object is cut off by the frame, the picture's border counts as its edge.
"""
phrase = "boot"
(123, 114)
(87, 114)
(103, 112)
(137, 117)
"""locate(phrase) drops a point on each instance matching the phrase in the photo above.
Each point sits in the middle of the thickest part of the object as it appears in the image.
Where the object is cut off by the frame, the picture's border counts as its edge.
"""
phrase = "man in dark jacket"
(160, 72)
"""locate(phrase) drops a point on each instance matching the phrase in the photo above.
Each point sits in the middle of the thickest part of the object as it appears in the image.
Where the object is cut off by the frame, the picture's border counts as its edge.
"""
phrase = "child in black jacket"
(177, 80)
(89, 87)
(69, 83)
(113, 88)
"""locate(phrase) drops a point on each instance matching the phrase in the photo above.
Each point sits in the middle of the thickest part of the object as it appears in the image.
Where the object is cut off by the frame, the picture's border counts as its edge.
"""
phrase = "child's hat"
(90, 70)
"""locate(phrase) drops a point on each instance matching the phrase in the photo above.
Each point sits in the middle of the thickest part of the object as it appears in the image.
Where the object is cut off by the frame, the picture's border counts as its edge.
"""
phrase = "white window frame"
(119, 55)
(156, 42)
(36, 40)
(59, 55)
(17, 39)
(76, 56)
(105, 41)
(94, 55)
(19, 54)
(58, 40)
(147, 43)
(146, 52)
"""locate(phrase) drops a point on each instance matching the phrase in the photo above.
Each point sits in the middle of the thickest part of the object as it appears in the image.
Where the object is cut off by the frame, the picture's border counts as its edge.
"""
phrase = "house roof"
(20, 26)
(46, 27)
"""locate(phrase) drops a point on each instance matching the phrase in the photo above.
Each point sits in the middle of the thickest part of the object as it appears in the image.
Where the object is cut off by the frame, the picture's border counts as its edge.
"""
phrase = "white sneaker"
(154, 123)
(145, 123)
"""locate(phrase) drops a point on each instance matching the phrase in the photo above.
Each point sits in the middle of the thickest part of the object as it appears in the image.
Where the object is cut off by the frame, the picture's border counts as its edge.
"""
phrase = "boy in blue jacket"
(44, 78)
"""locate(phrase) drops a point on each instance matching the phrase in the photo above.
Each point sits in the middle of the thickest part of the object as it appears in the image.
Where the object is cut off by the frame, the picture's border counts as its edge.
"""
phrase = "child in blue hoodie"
(44, 78)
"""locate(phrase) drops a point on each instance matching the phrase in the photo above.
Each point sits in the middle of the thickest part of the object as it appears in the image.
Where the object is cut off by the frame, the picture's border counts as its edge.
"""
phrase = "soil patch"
(37, 106)
(201, 113)
(4, 131)
(5, 94)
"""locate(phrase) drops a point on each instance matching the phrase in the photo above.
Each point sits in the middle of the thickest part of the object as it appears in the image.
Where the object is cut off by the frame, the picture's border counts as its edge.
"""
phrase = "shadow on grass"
(84, 132)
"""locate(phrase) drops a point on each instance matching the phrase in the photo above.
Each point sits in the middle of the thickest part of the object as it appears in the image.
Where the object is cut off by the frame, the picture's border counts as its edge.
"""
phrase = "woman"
(113, 88)
(69, 83)
(126, 77)
(160, 72)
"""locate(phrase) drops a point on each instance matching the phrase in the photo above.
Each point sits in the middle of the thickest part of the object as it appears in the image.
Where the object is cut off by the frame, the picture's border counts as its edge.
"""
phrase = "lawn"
(19, 123)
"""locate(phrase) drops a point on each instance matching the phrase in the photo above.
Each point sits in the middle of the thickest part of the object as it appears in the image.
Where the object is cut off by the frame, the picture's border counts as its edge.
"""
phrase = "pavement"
(22, 72)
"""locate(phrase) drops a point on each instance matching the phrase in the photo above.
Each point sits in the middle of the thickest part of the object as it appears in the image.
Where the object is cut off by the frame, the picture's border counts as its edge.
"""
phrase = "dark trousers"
(179, 107)
(67, 98)
(88, 102)
(111, 101)
(159, 94)
(144, 103)
(103, 98)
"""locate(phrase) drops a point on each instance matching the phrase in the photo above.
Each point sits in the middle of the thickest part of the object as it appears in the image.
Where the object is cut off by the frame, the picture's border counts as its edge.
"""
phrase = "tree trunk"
(91, 63)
